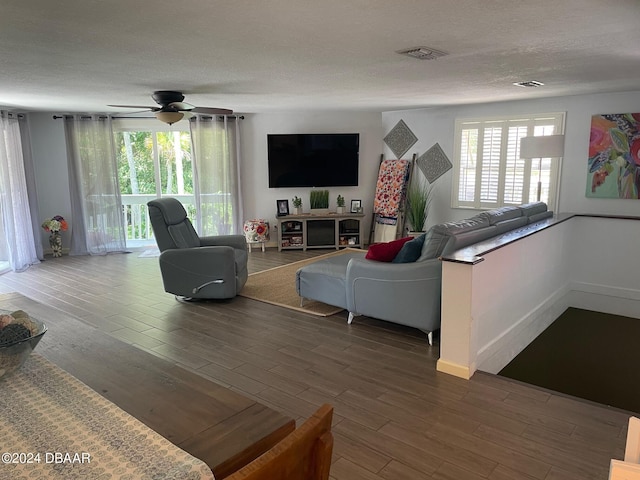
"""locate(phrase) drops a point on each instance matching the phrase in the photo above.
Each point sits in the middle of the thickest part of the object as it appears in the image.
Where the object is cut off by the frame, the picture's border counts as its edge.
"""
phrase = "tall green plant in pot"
(418, 203)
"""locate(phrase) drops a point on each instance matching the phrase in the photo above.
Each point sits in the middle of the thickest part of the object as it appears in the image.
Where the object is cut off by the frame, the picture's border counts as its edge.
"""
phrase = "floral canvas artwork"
(614, 156)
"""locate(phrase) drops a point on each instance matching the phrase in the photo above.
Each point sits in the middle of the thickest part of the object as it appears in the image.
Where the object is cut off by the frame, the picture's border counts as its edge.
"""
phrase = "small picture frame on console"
(356, 206)
(282, 207)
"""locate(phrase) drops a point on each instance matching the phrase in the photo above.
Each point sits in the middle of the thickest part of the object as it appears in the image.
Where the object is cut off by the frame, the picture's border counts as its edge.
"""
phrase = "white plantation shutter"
(468, 156)
(488, 170)
(490, 176)
(516, 168)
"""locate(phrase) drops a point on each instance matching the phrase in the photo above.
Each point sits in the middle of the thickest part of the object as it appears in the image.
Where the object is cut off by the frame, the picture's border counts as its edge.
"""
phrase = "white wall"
(604, 265)
(437, 125)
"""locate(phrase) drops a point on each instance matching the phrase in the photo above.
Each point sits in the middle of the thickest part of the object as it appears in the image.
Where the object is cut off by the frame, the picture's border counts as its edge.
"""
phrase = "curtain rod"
(11, 114)
(56, 117)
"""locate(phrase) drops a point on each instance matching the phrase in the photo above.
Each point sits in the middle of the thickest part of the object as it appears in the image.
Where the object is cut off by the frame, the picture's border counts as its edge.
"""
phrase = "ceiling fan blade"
(212, 111)
(153, 109)
(181, 106)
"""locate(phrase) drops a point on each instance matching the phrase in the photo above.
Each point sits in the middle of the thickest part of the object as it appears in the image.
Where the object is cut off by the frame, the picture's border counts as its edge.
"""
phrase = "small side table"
(256, 231)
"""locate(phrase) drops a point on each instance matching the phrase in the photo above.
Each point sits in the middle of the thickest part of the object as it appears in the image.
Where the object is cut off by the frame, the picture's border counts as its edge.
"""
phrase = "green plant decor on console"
(418, 202)
(297, 201)
(340, 201)
(319, 199)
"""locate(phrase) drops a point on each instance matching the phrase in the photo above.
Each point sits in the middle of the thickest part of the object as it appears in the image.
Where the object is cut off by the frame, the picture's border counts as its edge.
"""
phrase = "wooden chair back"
(304, 454)
(632, 450)
(629, 469)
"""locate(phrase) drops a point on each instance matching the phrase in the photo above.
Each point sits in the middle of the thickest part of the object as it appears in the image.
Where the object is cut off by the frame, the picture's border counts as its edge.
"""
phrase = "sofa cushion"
(469, 238)
(511, 224)
(540, 216)
(502, 214)
(450, 236)
(462, 226)
(386, 252)
(534, 208)
(435, 243)
(325, 280)
(410, 251)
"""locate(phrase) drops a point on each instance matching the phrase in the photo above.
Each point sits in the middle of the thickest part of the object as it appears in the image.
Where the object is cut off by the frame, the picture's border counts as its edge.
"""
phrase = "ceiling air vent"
(422, 53)
(530, 84)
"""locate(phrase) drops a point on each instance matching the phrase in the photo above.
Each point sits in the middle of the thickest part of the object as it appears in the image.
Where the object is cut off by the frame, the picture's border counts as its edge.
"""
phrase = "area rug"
(277, 286)
(585, 354)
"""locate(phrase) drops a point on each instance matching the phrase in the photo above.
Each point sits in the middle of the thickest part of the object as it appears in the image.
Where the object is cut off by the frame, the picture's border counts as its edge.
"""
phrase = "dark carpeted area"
(590, 355)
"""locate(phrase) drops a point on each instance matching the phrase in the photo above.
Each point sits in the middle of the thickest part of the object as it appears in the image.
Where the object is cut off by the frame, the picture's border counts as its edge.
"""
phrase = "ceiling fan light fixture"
(169, 117)
(172, 109)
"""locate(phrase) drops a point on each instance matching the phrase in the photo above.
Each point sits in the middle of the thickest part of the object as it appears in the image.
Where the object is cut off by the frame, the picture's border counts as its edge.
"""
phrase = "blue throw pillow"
(410, 251)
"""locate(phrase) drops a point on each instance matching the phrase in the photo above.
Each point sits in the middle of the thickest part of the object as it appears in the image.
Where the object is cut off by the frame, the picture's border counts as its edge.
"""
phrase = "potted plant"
(340, 204)
(319, 201)
(297, 205)
(418, 202)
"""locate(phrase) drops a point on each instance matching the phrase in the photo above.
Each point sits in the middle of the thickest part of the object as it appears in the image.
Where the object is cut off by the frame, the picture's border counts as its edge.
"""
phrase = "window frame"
(544, 123)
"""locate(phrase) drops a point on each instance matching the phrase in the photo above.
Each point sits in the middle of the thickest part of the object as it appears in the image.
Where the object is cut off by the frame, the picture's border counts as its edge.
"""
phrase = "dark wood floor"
(562, 358)
(395, 416)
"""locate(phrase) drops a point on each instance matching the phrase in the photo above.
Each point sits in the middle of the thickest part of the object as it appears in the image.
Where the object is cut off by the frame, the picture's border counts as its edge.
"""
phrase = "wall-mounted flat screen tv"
(313, 160)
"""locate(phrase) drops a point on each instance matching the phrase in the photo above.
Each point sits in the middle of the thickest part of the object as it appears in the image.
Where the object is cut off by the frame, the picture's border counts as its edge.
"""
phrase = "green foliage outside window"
(136, 169)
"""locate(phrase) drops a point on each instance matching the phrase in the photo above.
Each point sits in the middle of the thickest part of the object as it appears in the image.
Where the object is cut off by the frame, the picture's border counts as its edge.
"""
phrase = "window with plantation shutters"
(488, 170)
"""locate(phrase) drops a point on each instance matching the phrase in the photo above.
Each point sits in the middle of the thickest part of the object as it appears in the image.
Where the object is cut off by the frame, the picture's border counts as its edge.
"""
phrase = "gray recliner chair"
(196, 267)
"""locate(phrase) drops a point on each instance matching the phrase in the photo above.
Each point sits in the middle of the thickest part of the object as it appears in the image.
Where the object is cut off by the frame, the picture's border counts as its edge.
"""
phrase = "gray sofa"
(406, 290)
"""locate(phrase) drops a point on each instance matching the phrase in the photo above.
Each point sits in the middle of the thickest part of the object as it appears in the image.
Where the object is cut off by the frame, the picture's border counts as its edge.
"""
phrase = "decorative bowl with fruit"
(19, 335)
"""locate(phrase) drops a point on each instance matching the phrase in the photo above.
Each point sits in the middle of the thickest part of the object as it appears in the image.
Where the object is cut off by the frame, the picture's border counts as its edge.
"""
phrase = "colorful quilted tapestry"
(390, 189)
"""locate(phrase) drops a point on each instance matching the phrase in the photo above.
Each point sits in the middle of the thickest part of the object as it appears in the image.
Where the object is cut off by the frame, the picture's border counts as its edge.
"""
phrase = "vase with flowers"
(53, 226)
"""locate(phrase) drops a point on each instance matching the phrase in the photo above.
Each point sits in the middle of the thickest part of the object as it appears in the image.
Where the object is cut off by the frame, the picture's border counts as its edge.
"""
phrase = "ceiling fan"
(172, 107)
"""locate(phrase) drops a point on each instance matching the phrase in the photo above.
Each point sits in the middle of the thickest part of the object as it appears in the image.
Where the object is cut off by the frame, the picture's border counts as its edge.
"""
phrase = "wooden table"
(54, 426)
(213, 423)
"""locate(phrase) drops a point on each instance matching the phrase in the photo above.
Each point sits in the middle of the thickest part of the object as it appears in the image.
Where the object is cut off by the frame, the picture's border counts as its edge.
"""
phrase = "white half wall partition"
(499, 295)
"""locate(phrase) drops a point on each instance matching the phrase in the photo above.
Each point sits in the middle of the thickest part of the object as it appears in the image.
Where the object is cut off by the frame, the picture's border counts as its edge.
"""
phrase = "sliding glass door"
(152, 162)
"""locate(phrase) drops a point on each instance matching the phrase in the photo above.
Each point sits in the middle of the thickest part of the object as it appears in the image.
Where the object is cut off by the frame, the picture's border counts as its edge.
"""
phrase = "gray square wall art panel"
(400, 139)
(434, 163)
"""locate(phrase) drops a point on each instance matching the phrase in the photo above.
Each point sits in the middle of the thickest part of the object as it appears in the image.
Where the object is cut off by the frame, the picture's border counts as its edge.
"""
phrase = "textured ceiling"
(278, 55)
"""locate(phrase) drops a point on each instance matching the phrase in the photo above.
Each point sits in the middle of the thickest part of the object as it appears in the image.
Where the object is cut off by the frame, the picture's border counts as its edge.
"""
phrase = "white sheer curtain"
(216, 161)
(15, 213)
(30, 178)
(97, 225)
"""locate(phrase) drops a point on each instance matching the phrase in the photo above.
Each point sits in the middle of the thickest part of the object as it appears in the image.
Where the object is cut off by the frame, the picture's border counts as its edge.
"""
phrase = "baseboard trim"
(454, 369)
(500, 351)
(605, 299)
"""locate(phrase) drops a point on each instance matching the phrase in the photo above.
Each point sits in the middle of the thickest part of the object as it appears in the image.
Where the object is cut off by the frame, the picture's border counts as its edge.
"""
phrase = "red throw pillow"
(386, 252)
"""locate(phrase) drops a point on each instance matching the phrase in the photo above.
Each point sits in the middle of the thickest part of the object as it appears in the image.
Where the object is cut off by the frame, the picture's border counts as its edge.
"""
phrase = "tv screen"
(313, 160)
